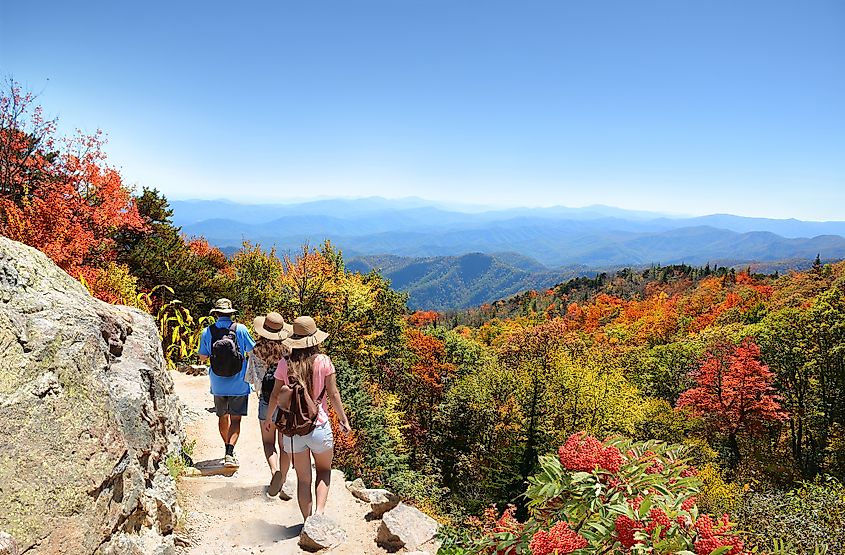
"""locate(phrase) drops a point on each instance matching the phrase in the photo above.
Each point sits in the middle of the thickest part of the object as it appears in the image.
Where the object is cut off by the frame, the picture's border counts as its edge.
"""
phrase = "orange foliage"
(423, 318)
(200, 247)
(428, 360)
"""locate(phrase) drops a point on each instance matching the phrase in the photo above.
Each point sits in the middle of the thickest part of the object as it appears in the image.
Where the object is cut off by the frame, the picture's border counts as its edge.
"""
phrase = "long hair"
(269, 351)
(302, 365)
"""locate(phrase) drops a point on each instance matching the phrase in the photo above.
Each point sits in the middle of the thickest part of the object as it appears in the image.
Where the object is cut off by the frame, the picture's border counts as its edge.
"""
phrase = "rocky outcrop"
(321, 532)
(90, 417)
(407, 527)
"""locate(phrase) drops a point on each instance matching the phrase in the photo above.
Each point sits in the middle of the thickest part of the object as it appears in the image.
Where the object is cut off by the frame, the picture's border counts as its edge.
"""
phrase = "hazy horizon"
(672, 107)
(479, 208)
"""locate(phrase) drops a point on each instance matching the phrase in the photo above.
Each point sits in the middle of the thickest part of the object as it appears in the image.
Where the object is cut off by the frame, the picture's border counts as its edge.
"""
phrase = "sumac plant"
(612, 497)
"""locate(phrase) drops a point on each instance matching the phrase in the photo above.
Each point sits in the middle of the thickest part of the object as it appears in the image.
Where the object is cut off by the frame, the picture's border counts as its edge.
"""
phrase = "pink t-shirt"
(322, 368)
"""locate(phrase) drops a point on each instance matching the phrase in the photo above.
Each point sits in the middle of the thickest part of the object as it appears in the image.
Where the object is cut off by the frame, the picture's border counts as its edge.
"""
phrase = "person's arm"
(205, 346)
(274, 401)
(334, 397)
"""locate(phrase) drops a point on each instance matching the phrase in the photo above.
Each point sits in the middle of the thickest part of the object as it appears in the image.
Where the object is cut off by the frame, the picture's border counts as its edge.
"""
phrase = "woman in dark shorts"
(268, 351)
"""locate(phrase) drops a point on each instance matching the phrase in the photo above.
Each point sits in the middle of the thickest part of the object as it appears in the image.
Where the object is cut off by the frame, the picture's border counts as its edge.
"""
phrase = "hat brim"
(284, 333)
(226, 311)
(308, 341)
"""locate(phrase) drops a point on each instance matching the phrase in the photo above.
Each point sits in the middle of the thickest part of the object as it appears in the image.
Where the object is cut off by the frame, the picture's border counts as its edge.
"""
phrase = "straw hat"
(222, 306)
(305, 334)
(272, 326)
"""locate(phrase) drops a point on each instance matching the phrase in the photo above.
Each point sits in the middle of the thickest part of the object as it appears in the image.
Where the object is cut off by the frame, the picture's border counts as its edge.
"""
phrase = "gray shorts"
(231, 404)
(318, 441)
(263, 406)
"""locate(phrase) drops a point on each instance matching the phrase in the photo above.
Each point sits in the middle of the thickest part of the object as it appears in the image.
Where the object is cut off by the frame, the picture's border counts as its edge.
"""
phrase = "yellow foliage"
(716, 495)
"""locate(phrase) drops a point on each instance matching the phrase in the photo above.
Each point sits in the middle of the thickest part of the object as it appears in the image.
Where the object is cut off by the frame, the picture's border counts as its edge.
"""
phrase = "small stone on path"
(407, 527)
(321, 532)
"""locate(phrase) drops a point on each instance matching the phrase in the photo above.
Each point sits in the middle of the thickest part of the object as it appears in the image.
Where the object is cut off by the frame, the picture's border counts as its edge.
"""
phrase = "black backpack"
(226, 357)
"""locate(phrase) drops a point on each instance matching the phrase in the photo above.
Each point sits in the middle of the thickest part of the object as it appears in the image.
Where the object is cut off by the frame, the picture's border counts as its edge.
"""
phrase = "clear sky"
(679, 106)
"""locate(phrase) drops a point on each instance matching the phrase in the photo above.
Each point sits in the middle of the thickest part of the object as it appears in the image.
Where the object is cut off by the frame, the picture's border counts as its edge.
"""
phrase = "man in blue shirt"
(227, 347)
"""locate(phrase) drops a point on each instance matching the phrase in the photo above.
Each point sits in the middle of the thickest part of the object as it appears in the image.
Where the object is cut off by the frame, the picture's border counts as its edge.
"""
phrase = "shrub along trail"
(232, 514)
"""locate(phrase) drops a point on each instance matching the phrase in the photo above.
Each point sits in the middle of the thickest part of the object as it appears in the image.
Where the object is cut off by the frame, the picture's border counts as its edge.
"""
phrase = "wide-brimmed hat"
(305, 334)
(222, 306)
(272, 326)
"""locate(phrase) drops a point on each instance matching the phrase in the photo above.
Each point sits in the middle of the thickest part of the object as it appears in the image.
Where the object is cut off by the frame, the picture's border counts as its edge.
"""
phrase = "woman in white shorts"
(310, 366)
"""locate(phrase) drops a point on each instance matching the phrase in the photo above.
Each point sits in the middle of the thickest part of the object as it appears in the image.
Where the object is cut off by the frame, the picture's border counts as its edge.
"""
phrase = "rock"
(193, 369)
(356, 485)
(83, 469)
(320, 532)
(380, 500)
(407, 527)
(8, 546)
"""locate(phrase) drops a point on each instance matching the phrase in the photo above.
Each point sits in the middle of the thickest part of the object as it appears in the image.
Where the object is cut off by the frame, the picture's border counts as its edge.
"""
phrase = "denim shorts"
(263, 406)
(318, 441)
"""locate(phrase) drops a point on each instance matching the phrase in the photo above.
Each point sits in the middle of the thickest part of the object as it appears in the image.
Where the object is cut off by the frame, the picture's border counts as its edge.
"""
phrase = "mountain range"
(447, 257)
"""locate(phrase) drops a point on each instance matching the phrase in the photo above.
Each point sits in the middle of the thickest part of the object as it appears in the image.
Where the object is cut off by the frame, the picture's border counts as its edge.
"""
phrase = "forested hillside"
(448, 282)
(625, 413)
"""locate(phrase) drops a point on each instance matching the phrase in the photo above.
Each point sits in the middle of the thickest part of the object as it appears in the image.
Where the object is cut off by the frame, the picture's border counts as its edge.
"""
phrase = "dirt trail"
(233, 514)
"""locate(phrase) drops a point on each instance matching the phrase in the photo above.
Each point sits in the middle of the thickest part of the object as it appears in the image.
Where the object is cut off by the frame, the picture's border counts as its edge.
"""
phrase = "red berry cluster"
(625, 530)
(585, 453)
(689, 503)
(560, 539)
(712, 535)
(659, 518)
(689, 472)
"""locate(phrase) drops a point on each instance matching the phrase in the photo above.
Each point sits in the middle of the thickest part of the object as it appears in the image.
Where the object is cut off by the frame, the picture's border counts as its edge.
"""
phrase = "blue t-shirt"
(234, 385)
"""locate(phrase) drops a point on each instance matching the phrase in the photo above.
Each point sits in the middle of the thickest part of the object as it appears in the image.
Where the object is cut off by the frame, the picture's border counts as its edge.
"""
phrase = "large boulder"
(407, 527)
(90, 417)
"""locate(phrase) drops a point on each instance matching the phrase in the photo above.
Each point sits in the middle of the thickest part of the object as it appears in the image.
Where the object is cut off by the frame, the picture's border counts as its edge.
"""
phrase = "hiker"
(226, 343)
(269, 350)
(308, 379)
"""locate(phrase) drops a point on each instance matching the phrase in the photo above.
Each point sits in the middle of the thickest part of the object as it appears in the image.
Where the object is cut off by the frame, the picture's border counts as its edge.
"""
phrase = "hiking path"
(233, 514)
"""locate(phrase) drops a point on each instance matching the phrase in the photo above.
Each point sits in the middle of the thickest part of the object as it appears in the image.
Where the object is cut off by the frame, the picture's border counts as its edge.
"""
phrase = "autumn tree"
(59, 196)
(734, 393)
(427, 376)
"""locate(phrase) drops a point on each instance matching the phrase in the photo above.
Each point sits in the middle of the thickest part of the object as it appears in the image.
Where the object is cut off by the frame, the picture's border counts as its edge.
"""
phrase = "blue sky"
(675, 106)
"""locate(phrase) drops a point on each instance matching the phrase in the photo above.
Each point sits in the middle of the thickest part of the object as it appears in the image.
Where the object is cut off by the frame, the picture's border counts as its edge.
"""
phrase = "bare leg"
(223, 427)
(234, 429)
(302, 464)
(323, 461)
(284, 456)
(268, 439)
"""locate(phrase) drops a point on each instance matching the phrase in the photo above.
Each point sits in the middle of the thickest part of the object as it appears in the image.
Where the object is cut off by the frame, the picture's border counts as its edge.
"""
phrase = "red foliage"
(68, 204)
(734, 391)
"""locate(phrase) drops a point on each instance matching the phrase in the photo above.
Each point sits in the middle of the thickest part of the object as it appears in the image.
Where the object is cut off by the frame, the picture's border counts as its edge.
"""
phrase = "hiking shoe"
(231, 461)
(275, 484)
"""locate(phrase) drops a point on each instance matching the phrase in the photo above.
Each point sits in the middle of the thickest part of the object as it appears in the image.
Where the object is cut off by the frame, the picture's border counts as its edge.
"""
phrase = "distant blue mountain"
(595, 236)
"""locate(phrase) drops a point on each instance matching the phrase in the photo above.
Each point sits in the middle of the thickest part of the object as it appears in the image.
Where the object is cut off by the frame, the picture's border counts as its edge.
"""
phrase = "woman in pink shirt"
(311, 367)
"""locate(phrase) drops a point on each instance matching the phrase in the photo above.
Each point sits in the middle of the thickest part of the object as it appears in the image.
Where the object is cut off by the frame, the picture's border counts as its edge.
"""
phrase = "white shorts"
(318, 441)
